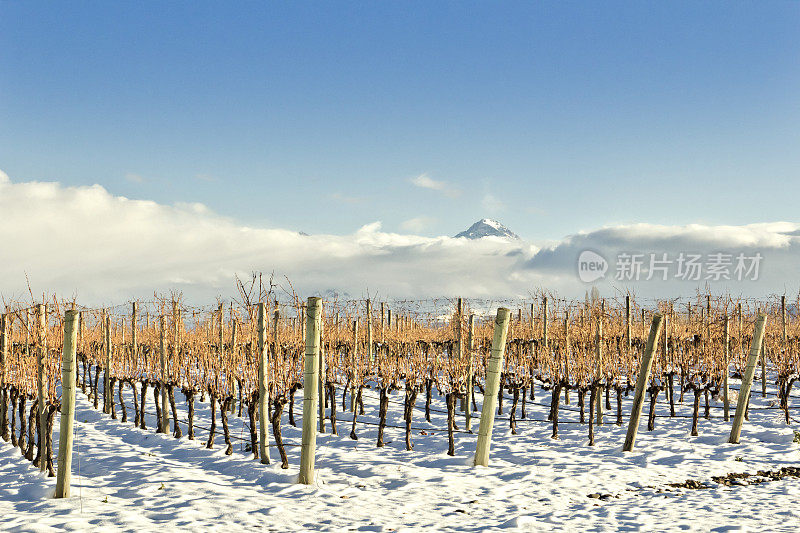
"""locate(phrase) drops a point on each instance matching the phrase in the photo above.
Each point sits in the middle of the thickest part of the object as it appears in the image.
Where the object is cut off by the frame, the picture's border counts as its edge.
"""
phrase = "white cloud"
(425, 182)
(107, 249)
(417, 224)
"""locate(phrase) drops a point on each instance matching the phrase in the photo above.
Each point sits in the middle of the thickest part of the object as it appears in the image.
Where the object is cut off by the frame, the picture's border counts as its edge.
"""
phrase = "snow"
(127, 478)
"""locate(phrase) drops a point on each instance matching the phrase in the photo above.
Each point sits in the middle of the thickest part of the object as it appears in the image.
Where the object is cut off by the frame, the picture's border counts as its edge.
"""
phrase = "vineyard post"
(533, 310)
(383, 320)
(739, 314)
(302, 322)
(63, 475)
(544, 321)
(108, 393)
(599, 370)
(567, 349)
(470, 384)
(726, 371)
(41, 357)
(163, 424)
(3, 356)
(353, 367)
(707, 332)
(310, 377)
(459, 342)
(747, 379)
(666, 344)
(80, 331)
(763, 370)
(783, 318)
(493, 368)
(641, 381)
(628, 321)
(276, 346)
(233, 387)
(643, 324)
(263, 385)
(321, 377)
(134, 333)
(370, 353)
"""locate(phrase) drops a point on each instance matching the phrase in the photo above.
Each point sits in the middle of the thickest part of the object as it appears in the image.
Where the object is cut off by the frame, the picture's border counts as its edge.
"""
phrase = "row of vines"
(562, 348)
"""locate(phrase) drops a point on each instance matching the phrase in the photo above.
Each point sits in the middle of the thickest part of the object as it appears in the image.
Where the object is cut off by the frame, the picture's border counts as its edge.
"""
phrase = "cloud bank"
(103, 248)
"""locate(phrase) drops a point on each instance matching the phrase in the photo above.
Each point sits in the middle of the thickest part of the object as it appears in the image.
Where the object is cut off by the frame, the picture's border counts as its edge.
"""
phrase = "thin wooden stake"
(641, 381)
(263, 386)
(599, 368)
(163, 424)
(41, 357)
(726, 371)
(470, 384)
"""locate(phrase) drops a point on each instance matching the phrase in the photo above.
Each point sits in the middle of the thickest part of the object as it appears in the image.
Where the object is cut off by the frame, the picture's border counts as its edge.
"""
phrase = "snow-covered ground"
(127, 478)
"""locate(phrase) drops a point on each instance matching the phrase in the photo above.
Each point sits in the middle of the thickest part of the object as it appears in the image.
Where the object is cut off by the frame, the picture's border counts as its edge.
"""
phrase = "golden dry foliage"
(214, 349)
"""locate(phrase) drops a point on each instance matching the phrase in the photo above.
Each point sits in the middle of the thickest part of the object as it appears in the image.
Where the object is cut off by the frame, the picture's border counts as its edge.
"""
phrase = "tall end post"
(63, 476)
(493, 368)
(310, 391)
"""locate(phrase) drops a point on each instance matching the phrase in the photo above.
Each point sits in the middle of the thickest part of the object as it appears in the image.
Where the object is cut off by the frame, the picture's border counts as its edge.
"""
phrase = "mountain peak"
(487, 227)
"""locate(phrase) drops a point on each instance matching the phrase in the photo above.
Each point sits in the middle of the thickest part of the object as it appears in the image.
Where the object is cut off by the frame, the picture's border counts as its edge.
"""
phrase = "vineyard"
(243, 375)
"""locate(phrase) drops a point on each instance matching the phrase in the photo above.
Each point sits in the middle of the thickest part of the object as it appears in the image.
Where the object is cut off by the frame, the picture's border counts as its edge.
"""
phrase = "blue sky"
(552, 117)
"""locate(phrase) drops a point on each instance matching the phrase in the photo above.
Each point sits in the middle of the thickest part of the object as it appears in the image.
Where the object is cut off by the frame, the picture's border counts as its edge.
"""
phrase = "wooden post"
(641, 381)
(276, 346)
(383, 321)
(163, 424)
(726, 371)
(544, 321)
(109, 394)
(628, 321)
(41, 359)
(310, 377)
(134, 333)
(643, 324)
(80, 331)
(468, 396)
(599, 368)
(567, 350)
(763, 371)
(321, 377)
(370, 353)
(221, 312)
(233, 384)
(4, 322)
(459, 341)
(666, 343)
(63, 476)
(263, 386)
(354, 367)
(747, 379)
(530, 321)
(783, 318)
(493, 368)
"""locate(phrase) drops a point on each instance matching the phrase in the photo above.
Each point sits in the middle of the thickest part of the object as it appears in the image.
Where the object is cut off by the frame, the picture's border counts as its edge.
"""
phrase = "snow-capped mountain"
(487, 228)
